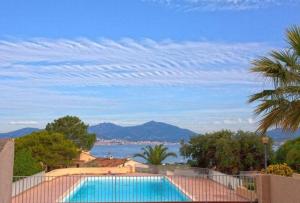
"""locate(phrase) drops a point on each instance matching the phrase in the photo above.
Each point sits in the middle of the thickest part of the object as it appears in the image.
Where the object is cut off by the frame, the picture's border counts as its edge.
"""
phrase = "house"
(106, 162)
(114, 162)
(135, 164)
(85, 157)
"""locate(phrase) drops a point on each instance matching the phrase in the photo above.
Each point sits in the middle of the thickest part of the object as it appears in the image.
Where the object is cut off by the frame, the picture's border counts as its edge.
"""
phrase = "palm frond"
(293, 38)
(155, 155)
(280, 106)
(262, 95)
(170, 154)
(140, 155)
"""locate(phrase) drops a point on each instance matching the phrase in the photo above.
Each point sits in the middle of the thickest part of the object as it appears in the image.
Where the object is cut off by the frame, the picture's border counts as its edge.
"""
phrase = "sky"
(184, 62)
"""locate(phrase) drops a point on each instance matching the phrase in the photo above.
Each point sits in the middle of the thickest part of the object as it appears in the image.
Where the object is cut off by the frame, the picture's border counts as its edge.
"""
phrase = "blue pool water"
(126, 189)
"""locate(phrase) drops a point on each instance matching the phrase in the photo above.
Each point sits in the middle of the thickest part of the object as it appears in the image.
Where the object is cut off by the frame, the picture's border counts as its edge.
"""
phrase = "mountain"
(150, 131)
(18, 133)
(279, 135)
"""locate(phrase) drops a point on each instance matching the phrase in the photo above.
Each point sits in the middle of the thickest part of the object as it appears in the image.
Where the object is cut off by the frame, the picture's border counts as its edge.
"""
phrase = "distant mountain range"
(18, 133)
(279, 135)
(150, 131)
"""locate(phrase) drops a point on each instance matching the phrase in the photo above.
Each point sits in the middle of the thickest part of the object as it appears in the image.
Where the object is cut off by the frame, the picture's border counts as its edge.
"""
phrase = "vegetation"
(155, 155)
(226, 151)
(53, 150)
(279, 169)
(250, 185)
(73, 129)
(280, 105)
(25, 164)
(289, 153)
(55, 147)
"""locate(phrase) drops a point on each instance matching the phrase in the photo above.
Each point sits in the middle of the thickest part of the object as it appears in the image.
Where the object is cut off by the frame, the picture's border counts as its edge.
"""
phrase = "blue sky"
(185, 62)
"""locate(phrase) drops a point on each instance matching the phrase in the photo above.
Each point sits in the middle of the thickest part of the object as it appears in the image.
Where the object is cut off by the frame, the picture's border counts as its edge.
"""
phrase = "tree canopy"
(289, 153)
(155, 155)
(279, 105)
(226, 151)
(73, 129)
(25, 164)
(51, 149)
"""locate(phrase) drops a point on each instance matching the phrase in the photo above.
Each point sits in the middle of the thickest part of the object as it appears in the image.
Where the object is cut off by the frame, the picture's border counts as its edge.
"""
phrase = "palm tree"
(155, 155)
(280, 104)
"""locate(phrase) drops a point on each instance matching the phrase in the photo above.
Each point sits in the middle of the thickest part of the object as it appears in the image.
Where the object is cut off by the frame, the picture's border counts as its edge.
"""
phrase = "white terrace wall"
(6, 170)
(199, 172)
(224, 179)
(26, 183)
(90, 171)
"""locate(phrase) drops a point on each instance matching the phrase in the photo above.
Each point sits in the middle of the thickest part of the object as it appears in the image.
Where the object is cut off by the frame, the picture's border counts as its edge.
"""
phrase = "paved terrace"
(48, 191)
(205, 190)
(198, 189)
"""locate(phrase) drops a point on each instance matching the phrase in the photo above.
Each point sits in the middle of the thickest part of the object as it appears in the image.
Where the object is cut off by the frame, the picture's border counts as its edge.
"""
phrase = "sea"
(128, 150)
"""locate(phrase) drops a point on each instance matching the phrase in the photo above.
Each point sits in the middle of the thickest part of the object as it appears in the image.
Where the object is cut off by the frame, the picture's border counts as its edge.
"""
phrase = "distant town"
(126, 142)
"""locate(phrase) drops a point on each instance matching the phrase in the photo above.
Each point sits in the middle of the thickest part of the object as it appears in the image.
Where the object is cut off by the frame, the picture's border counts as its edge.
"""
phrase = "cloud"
(217, 122)
(42, 79)
(84, 62)
(235, 121)
(212, 5)
(230, 121)
(251, 121)
(23, 122)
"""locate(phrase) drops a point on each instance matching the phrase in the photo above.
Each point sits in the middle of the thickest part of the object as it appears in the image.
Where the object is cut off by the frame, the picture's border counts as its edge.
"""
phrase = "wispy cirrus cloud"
(23, 122)
(212, 5)
(42, 79)
(85, 62)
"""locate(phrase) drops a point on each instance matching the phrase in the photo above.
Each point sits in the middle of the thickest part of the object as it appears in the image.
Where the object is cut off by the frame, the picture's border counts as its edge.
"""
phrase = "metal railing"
(133, 188)
(173, 170)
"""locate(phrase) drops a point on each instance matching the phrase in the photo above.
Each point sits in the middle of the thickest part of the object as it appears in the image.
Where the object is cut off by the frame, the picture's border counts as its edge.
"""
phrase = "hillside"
(150, 131)
(18, 133)
(279, 135)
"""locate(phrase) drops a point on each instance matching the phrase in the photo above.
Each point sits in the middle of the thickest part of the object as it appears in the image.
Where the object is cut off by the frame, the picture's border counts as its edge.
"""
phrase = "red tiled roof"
(106, 162)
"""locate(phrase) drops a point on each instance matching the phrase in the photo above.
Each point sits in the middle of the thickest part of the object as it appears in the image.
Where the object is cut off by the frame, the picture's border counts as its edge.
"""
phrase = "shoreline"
(102, 142)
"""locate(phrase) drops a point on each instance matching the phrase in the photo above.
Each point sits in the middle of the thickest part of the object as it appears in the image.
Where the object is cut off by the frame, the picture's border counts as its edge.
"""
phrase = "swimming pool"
(125, 189)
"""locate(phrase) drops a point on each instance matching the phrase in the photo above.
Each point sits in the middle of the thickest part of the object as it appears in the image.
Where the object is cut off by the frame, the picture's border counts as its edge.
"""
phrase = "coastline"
(102, 142)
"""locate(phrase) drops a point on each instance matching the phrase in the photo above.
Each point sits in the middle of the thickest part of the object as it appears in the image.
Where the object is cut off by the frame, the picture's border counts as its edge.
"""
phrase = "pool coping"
(71, 190)
(182, 190)
(81, 181)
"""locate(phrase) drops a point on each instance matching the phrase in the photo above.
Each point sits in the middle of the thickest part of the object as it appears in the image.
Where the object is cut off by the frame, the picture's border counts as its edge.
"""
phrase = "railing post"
(263, 188)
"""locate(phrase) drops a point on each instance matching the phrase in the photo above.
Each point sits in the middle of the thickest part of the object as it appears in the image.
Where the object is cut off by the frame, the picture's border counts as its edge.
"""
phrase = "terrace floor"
(198, 189)
(206, 190)
(48, 191)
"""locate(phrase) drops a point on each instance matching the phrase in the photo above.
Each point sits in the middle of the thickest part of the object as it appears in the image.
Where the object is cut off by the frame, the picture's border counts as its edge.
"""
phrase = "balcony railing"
(205, 187)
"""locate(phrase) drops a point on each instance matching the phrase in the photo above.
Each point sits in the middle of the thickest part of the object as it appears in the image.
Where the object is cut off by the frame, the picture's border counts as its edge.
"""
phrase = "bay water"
(128, 150)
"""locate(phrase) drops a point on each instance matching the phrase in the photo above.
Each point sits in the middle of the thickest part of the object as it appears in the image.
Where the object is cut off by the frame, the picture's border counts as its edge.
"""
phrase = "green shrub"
(279, 169)
(25, 164)
(227, 151)
(289, 153)
(51, 149)
(249, 185)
